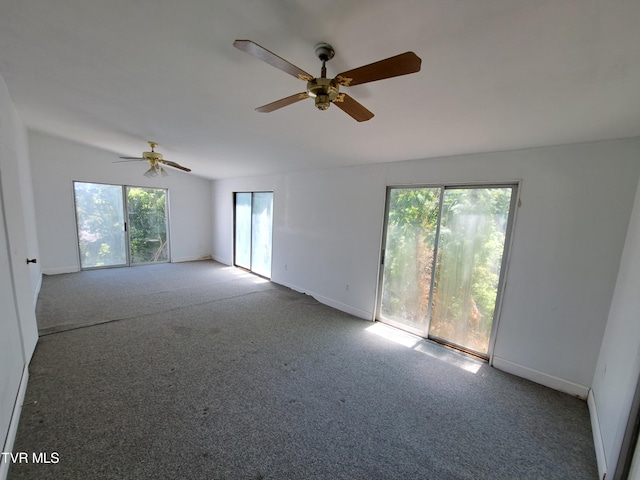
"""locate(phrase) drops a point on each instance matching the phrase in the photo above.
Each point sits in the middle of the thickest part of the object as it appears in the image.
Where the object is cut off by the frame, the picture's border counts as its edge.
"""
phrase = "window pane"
(408, 263)
(100, 219)
(261, 226)
(470, 249)
(147, 224)
(243, 230)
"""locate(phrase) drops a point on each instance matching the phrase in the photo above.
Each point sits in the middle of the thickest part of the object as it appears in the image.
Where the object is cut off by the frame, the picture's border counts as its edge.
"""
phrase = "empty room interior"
(425, 185)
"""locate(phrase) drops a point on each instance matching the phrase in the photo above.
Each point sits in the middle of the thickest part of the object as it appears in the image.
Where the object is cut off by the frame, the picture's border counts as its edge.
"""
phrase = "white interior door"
(12, 358)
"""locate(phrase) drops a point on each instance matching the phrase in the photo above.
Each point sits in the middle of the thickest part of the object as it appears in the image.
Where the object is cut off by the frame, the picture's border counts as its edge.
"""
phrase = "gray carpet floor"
(199, 371)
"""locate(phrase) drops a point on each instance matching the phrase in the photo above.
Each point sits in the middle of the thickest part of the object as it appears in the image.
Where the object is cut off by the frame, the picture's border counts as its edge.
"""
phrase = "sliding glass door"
(409, 254)
(243, 230)
(253, 231)
(102, 237)
(443, 260)
(119, 225)
(148, 228)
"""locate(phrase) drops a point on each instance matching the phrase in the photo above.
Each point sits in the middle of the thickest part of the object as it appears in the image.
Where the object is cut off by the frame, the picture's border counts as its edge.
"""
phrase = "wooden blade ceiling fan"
(326, 91)
(156, 161)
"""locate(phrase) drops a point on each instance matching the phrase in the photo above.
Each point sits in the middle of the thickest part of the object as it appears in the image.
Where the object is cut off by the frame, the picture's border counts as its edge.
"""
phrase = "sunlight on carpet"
(417, 343)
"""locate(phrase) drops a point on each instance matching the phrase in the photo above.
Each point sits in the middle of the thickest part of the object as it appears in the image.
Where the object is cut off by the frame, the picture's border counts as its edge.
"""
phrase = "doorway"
(444, 251)
(253, 216)
(121, 225)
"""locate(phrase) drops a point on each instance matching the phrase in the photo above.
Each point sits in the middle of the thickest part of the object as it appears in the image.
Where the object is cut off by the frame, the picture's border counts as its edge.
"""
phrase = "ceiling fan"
(325, 90)
(156, 161)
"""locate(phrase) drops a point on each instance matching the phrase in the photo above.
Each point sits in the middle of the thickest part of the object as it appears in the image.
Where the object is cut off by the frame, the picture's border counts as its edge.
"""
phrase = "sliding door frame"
(235, 217)
(125, 211)
(504, 265)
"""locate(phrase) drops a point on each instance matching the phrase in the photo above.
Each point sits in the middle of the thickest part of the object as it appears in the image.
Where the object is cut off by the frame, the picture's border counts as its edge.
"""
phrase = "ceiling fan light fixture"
(324, 91)
(156, 170)
(322, 102)
(156, 161)
(151, 173)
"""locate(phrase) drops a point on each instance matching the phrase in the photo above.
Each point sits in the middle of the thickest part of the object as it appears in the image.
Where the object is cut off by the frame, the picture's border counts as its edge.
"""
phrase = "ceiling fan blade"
(174, 165)
(283, 102)
(132, 158)
(271, 58)
(402, 64)
(349, 106)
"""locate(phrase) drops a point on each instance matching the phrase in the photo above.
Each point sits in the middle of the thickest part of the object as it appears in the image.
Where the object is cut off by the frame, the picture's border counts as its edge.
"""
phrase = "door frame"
(233, 256)
(125, 211)
(514, 205)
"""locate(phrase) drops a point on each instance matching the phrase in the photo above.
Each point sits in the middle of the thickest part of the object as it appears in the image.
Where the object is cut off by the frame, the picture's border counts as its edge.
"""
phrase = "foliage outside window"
(470, 244)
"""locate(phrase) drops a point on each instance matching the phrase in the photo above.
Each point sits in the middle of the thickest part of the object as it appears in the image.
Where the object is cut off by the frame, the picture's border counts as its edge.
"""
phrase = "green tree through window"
(147, 224)
(101, 220)
(468, 233)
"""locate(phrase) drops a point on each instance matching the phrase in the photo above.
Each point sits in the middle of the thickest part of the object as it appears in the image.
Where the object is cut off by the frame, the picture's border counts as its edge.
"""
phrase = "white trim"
(224, 261)
(190, 259)
(59, 270)
(343, 307)
(601, 457)
(37, 289)
(15, 417)
(542, 378)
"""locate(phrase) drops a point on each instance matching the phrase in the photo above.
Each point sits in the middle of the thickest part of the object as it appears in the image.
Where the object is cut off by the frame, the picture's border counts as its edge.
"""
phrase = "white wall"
(618, 367)
(567, 242)
(19, 282)
(57, 162)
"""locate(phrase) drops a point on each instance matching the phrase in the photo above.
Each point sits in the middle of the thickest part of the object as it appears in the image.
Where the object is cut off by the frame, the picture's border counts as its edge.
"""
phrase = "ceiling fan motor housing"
(324, 90)
(152, 156)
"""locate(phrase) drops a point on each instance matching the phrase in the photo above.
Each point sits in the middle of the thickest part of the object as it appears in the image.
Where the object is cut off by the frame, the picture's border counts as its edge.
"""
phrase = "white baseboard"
(59, 270)
(15, 418)
(75, 269)
(224, 261)
(190, 259)
(542, 378)
(597, 435)
(343, 307)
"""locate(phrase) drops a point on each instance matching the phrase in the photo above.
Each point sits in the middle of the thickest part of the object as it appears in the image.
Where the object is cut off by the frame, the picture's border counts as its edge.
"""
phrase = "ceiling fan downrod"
(322, 89)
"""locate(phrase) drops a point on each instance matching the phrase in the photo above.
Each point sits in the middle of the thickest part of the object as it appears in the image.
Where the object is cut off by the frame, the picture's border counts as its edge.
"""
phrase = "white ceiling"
(496, 75)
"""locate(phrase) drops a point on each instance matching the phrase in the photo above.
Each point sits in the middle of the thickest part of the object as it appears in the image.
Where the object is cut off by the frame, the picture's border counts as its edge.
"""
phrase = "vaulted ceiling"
(496, 75)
